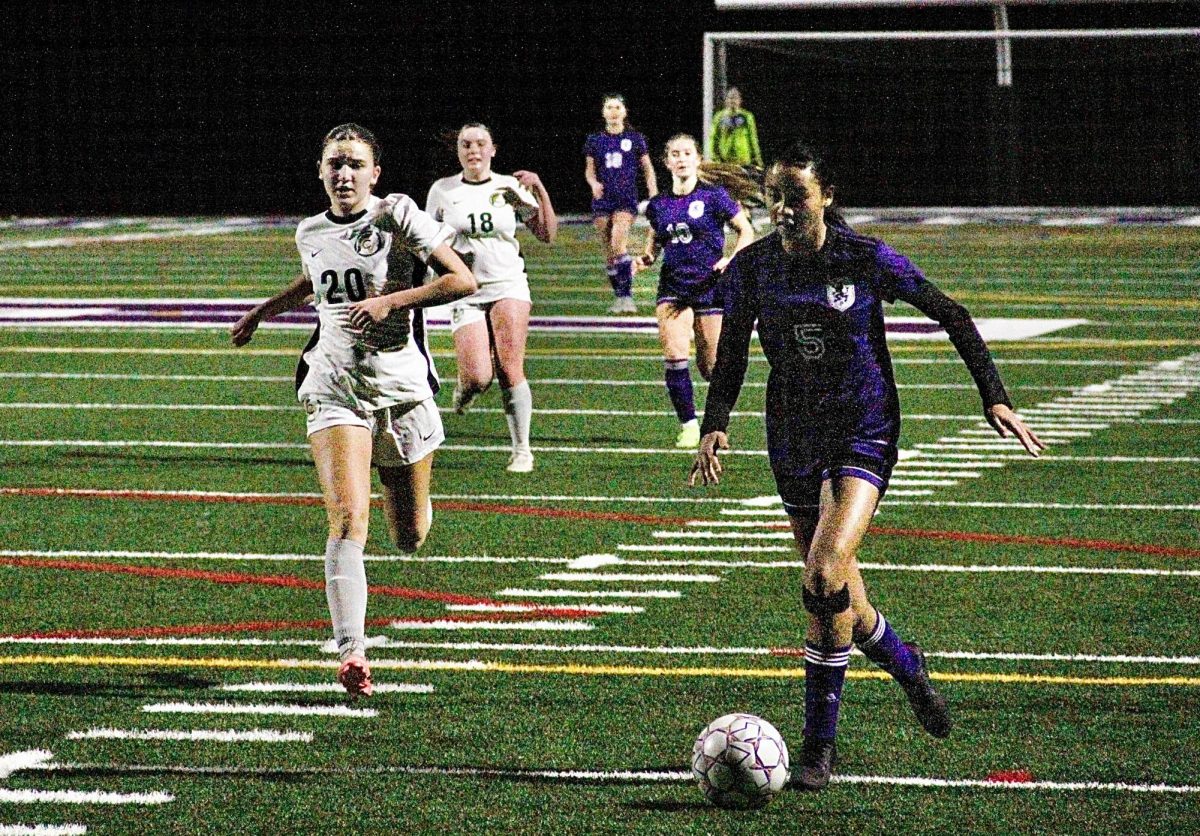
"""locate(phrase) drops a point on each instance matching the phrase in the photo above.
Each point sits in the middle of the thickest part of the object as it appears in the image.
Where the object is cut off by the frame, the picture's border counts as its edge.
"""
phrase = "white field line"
(42, 829)
(930, 462)
(902, 473)
(206, 735)
(627, 776)
(589, 593)
(207, 378)
(126, 237)
(15, 761)
(323, 687)
(721, 535)
(926, 483)
(80, 797)
(617, 577)
(259, 709)
(550, 626)
(1044, 433)
(620, 609)
(683, 548)
(190, 641)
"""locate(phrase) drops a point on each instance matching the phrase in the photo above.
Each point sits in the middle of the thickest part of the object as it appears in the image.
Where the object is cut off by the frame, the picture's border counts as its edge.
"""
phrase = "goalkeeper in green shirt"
(734, 136)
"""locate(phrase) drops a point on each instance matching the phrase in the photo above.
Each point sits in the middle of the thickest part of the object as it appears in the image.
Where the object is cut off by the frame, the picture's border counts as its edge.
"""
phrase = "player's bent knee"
(827, 605)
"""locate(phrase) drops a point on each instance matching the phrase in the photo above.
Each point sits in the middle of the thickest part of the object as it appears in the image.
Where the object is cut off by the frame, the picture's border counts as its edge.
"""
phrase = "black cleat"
(929, 706)
(817, 757)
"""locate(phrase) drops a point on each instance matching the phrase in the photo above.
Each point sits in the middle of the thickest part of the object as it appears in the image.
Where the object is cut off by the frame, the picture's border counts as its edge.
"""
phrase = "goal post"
(1024, 116)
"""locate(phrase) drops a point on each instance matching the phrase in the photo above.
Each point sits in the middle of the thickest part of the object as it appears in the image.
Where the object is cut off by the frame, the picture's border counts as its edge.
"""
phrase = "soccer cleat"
(817, 757)
(623, 305)
(355, 676)
(689, 436)
(521, 461)
(462, 401)
(929, 706)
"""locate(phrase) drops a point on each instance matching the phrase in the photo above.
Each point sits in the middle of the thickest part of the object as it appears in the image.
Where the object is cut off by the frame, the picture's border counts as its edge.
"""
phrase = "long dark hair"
(352, 130)
(804, 154)
(626, 125)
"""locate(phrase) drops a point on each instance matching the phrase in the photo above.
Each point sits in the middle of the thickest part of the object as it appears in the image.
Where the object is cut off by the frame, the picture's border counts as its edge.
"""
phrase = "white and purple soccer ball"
(740, 761)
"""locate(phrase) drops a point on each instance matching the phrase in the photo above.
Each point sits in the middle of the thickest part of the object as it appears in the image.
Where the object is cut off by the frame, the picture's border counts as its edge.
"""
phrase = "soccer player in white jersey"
(366, 379)
(491, 326)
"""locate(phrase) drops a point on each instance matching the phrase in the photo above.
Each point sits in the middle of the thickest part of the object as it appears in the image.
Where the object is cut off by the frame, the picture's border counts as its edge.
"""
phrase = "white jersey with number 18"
(485, 223)
(372, 253)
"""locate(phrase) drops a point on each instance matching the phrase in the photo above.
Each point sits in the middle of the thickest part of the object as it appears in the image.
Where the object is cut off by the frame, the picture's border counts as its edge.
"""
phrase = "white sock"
(518, 409)
(346, 590)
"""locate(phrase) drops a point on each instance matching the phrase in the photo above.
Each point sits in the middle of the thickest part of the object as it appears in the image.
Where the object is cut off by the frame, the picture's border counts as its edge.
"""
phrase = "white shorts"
(401, 435)
(474, 308)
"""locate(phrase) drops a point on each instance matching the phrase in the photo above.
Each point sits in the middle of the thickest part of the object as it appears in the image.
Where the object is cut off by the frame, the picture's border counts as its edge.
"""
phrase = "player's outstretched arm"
(651, 177)
(589, 174)
(707, 467)
(290, 298)
(1004, 421)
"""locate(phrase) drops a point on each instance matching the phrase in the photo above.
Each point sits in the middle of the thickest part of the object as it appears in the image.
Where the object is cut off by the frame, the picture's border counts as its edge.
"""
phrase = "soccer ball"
(740, 761)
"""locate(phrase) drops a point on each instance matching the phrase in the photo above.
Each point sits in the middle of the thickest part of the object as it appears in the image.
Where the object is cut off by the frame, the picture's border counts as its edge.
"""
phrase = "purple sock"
(679, 387)
(884, 648)
(611, 270)
(824, 676)
(623, 281)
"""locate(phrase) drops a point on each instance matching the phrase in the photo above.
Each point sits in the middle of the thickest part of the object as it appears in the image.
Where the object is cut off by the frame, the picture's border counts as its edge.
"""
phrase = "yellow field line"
(1097, 301)
(584, 670)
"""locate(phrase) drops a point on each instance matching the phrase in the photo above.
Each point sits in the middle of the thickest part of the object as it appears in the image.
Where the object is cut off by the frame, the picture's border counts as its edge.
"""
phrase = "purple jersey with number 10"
(617, 160)
(690, 229)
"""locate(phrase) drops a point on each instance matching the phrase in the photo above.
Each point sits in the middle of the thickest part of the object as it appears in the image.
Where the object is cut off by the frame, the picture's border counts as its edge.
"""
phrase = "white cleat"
(689, 436)
(521, 461)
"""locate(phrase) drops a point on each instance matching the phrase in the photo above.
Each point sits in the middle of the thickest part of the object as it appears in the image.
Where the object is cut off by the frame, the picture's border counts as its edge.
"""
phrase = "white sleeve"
(435, 202)
(419, 230)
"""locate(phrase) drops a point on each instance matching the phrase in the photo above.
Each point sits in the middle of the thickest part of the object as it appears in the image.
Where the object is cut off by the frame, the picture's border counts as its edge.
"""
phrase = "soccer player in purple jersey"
(687, 225)
(612, 160)
(816, 290)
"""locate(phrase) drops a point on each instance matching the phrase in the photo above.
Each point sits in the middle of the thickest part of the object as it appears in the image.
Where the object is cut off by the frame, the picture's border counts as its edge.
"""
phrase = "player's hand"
(707, 466)
(528, 179)
(721, 264)
(642, 262)
(1005, 422)
(369, 311)
(243, 330)
(597, 191)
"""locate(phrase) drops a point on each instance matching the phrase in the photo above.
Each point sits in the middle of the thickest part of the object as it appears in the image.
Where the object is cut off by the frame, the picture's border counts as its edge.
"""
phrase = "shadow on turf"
(155, 683)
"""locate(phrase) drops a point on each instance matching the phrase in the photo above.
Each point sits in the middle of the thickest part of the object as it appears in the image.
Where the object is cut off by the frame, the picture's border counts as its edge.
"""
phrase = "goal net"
(1048, 118)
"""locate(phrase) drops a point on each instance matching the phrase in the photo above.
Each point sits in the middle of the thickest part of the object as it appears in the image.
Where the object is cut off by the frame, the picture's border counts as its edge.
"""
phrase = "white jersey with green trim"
(484, 221)
(371, 253)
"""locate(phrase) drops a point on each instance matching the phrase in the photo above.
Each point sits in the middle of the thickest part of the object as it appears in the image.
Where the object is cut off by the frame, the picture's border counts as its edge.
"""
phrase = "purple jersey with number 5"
(617, 158)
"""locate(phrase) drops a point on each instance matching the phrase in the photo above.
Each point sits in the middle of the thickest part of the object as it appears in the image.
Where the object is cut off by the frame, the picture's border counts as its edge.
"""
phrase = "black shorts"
(799, 477)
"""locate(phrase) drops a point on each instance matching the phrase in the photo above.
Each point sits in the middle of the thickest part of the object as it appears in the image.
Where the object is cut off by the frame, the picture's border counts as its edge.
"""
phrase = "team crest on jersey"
(696, 209)
(840, 296)
(626, 144)
(368, 240)
(497, 199)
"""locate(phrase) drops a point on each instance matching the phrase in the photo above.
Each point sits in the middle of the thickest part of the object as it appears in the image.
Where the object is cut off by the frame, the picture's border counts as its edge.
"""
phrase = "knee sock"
(824, 676)
(884, 648)
(679, 387)
(518, 408)
(623, 281)
(611, 269)
(346, 590)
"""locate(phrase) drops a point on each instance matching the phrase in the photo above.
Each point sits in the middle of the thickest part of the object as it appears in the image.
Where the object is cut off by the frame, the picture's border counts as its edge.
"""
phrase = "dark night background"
(218, 108)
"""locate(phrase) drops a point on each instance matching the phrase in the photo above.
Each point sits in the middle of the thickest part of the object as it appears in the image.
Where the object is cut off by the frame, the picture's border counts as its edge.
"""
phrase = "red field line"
(274, 499)
(286, 581)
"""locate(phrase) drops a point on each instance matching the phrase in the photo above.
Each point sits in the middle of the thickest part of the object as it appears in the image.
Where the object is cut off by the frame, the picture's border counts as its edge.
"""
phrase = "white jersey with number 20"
(379, 251)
